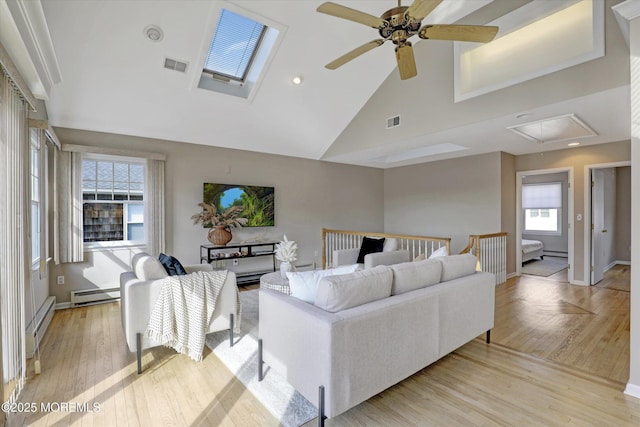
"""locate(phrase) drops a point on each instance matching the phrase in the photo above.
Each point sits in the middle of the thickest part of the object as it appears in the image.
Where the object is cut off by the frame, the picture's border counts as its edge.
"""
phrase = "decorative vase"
(219, 235)
(284, 267)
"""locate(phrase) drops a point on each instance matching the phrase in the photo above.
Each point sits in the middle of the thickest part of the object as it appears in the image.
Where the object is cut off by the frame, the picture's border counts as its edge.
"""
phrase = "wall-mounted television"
(258, 202)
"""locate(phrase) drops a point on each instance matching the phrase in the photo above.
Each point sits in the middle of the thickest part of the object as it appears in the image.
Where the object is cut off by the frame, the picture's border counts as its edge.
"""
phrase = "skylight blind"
(542, 196)
(234, 45)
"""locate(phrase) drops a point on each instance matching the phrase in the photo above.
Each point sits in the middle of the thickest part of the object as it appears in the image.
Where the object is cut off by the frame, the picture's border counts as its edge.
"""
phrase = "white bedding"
(531, 245)
(531, 249)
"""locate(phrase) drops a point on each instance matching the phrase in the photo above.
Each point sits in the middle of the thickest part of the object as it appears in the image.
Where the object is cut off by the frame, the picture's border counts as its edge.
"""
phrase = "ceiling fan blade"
(463, 33)
(406, 61)
(347, 13)
(421, 8)
(354, 54)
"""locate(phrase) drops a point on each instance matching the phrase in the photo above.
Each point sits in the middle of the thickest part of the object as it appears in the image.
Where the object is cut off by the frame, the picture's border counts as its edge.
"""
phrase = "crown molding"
(625, 12)
(29, 19)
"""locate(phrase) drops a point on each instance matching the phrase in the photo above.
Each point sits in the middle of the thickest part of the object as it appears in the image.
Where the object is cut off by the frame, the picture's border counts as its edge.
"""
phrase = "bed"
(531, 249)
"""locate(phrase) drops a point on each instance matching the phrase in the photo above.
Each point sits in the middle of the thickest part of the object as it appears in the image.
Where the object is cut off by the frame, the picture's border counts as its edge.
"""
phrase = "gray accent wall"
(449, 198)
(309, 195)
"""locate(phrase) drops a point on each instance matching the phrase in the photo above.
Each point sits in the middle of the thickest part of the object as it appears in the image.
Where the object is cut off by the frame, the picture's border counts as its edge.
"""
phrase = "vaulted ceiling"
(106, 76)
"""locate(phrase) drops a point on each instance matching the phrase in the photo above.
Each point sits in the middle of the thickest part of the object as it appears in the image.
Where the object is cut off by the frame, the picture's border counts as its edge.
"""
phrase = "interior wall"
(623, 214)
(576, 157)
(449, 198)
(508, 206)
(552, 243)
(309, 195)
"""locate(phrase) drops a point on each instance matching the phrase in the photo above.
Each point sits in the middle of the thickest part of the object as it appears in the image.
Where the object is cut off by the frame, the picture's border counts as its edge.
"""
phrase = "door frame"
(587, 212)
(571, 228)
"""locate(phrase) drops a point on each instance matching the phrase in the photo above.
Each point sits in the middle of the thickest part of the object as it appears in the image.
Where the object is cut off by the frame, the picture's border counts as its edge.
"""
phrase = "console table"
(210, 253)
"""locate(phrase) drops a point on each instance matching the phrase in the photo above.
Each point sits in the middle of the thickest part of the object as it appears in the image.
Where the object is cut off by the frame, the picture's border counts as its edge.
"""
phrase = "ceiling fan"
(398, 25)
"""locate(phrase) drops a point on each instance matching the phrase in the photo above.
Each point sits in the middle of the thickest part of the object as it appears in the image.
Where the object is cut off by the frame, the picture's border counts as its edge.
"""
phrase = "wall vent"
(97, 296)
(393, 122)
(174, 64)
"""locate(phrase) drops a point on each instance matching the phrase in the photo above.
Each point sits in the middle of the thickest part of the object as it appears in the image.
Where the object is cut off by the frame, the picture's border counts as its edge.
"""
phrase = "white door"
(602, 221)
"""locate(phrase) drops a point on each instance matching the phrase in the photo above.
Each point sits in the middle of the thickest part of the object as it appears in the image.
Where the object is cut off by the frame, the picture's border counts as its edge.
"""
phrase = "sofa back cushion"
(409, 276)
(385, 258)
(337, 293)
(304, 284)
(147, 267)
(455, 266)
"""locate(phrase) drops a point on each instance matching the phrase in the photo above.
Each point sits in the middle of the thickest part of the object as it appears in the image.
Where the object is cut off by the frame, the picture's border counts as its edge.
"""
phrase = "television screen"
(257, 202)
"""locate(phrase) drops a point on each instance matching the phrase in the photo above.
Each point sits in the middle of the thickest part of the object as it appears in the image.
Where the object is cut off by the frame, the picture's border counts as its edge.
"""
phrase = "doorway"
(560, 235)
(609, 225)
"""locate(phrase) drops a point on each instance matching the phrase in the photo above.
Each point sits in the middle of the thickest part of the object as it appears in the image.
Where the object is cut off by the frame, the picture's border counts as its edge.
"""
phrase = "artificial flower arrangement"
(286, 250)
(210, 217)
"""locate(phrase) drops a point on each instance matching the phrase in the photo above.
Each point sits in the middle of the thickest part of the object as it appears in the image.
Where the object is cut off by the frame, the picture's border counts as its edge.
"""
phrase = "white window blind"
(234, 45)
(540, 196)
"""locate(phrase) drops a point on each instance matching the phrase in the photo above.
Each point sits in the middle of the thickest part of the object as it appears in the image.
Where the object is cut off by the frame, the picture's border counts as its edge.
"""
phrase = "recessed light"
(296, 80)
(153, 33)
(573, 144)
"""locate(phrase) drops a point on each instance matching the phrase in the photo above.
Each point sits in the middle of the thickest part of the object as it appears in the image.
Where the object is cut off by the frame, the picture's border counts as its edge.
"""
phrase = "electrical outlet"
(60, 280)
(235, 262)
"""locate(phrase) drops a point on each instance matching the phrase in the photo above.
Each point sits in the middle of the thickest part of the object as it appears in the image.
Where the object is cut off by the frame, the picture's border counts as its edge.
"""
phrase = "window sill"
(102, 246)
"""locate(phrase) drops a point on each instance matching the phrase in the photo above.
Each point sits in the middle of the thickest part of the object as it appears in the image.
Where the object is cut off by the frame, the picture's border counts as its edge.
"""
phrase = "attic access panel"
(554, 129)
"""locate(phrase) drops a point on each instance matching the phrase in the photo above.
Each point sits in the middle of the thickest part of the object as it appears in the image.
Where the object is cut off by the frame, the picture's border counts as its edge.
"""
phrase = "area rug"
(545, 267)
(274, 392)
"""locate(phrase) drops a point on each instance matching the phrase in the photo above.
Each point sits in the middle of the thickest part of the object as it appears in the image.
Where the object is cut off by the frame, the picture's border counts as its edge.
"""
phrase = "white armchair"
(140, 288)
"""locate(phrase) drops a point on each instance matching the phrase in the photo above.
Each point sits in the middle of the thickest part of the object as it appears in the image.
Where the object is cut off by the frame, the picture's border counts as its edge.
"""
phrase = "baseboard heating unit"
(39, 325)
(94, 296)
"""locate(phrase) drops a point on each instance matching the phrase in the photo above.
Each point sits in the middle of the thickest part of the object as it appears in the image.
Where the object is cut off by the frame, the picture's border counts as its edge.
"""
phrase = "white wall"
(449, 198)
(309, 195)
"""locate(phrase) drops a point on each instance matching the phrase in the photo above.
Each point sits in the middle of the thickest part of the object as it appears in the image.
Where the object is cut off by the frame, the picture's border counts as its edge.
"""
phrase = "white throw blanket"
(184, 310)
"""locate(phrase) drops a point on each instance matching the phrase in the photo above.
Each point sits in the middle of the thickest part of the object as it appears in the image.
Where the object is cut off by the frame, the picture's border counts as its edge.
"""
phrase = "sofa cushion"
(409, 276)
(304, 284)
(369, 245)
(336, 293)
(147, 267)
(455, 266)
(171, 265)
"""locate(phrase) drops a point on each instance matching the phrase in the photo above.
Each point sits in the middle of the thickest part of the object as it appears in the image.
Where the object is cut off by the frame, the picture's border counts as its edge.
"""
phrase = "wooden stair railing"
(491, 251)
(344, 239)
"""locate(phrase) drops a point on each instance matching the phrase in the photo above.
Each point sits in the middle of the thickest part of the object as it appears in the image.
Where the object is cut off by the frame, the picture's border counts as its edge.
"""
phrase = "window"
(234, 46)
(542, 206)
(240, 48)
(35, 197)
(113, 199)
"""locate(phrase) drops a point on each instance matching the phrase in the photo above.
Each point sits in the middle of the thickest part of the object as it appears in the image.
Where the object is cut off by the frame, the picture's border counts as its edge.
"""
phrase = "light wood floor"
(559, 356)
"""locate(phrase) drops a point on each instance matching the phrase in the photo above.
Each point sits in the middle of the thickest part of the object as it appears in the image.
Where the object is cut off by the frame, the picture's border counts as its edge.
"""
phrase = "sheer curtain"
(154, 207)
(67, 230)
(15, 245)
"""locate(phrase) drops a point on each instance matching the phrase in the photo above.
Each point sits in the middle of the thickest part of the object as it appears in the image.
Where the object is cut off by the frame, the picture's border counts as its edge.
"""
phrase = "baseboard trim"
(63, 305)
(632, 390)
(579, 282)
(511, 275)
(622, 262)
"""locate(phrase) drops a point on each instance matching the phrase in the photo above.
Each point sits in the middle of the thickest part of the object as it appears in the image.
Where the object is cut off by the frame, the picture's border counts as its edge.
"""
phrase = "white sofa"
(370, 329)
(140, 289)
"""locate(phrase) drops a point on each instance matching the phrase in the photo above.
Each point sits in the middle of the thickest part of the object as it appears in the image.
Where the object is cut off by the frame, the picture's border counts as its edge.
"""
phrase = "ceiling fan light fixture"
(153, 33)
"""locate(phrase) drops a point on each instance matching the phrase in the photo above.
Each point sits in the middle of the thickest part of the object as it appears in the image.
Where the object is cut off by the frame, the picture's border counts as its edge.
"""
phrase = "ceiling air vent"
(173, 64)
(393, 122)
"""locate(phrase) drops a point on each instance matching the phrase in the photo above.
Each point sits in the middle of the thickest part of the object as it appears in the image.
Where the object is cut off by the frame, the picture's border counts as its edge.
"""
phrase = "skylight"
(234, 46)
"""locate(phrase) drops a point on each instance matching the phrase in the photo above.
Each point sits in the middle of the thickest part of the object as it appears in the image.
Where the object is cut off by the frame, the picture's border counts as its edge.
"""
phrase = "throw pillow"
(337, 293)
(439, 252)
(304, 284)
(390, 244)
(172, 265)
(420, 257)
(369, 246)
(456, 266)
(147, 267)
